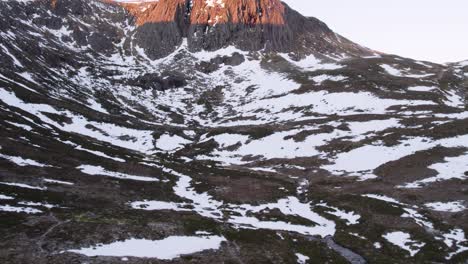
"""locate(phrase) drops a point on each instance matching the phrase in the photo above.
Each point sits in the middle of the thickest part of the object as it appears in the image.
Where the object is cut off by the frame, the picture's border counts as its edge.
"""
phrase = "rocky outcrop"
(238, 11)
(214, 64)
(156, 82)
(153, 11)
(249, 25)
(210, 12)
(159, 27)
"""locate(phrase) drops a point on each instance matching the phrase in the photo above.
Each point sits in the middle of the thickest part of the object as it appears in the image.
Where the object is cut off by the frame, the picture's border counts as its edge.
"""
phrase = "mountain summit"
(268, 25)
(249, 25)
(208, 12)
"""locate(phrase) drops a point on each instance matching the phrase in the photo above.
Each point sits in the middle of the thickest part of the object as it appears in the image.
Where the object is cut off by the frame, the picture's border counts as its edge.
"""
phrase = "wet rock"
(349, 255)
(214, 64)
(234, 60)
(153, 81)
(207, 67)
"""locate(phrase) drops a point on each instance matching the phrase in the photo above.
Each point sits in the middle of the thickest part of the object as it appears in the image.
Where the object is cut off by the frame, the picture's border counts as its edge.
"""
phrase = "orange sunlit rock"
(208, 12)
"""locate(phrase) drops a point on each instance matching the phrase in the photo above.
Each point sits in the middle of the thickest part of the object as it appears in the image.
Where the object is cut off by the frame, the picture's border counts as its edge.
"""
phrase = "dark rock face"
(233, 60)
(154, 81)
(214, 64)
(249, 25)
(158, 28)
(158, 40)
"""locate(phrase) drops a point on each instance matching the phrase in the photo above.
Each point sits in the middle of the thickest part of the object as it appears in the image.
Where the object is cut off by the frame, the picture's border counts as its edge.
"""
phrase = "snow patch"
(168, 248)
(404, 241)
(451, 207)
(98, 170)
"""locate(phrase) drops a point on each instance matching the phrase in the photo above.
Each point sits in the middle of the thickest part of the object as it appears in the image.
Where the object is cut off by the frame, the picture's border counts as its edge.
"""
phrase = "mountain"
(249, 25)
(222, 131)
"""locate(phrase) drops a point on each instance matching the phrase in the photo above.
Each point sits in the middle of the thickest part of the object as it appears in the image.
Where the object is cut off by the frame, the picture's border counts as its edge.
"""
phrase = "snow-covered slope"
(321, 155)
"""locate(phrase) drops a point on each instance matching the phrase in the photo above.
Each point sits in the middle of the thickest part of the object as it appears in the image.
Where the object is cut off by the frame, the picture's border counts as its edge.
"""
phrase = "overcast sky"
(434, 30)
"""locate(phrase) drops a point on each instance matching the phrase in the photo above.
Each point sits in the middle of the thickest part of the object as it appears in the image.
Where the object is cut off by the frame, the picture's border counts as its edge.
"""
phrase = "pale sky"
(433, 30)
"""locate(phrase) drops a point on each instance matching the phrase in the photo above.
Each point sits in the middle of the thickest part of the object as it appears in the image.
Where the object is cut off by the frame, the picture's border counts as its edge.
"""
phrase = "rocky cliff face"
(153, 11)
(238, 11)
(249, 25)
(207, 12)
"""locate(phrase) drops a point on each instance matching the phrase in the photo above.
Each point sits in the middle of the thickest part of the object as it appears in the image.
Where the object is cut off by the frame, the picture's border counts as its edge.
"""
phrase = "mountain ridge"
(268, 25)
(207, 12)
